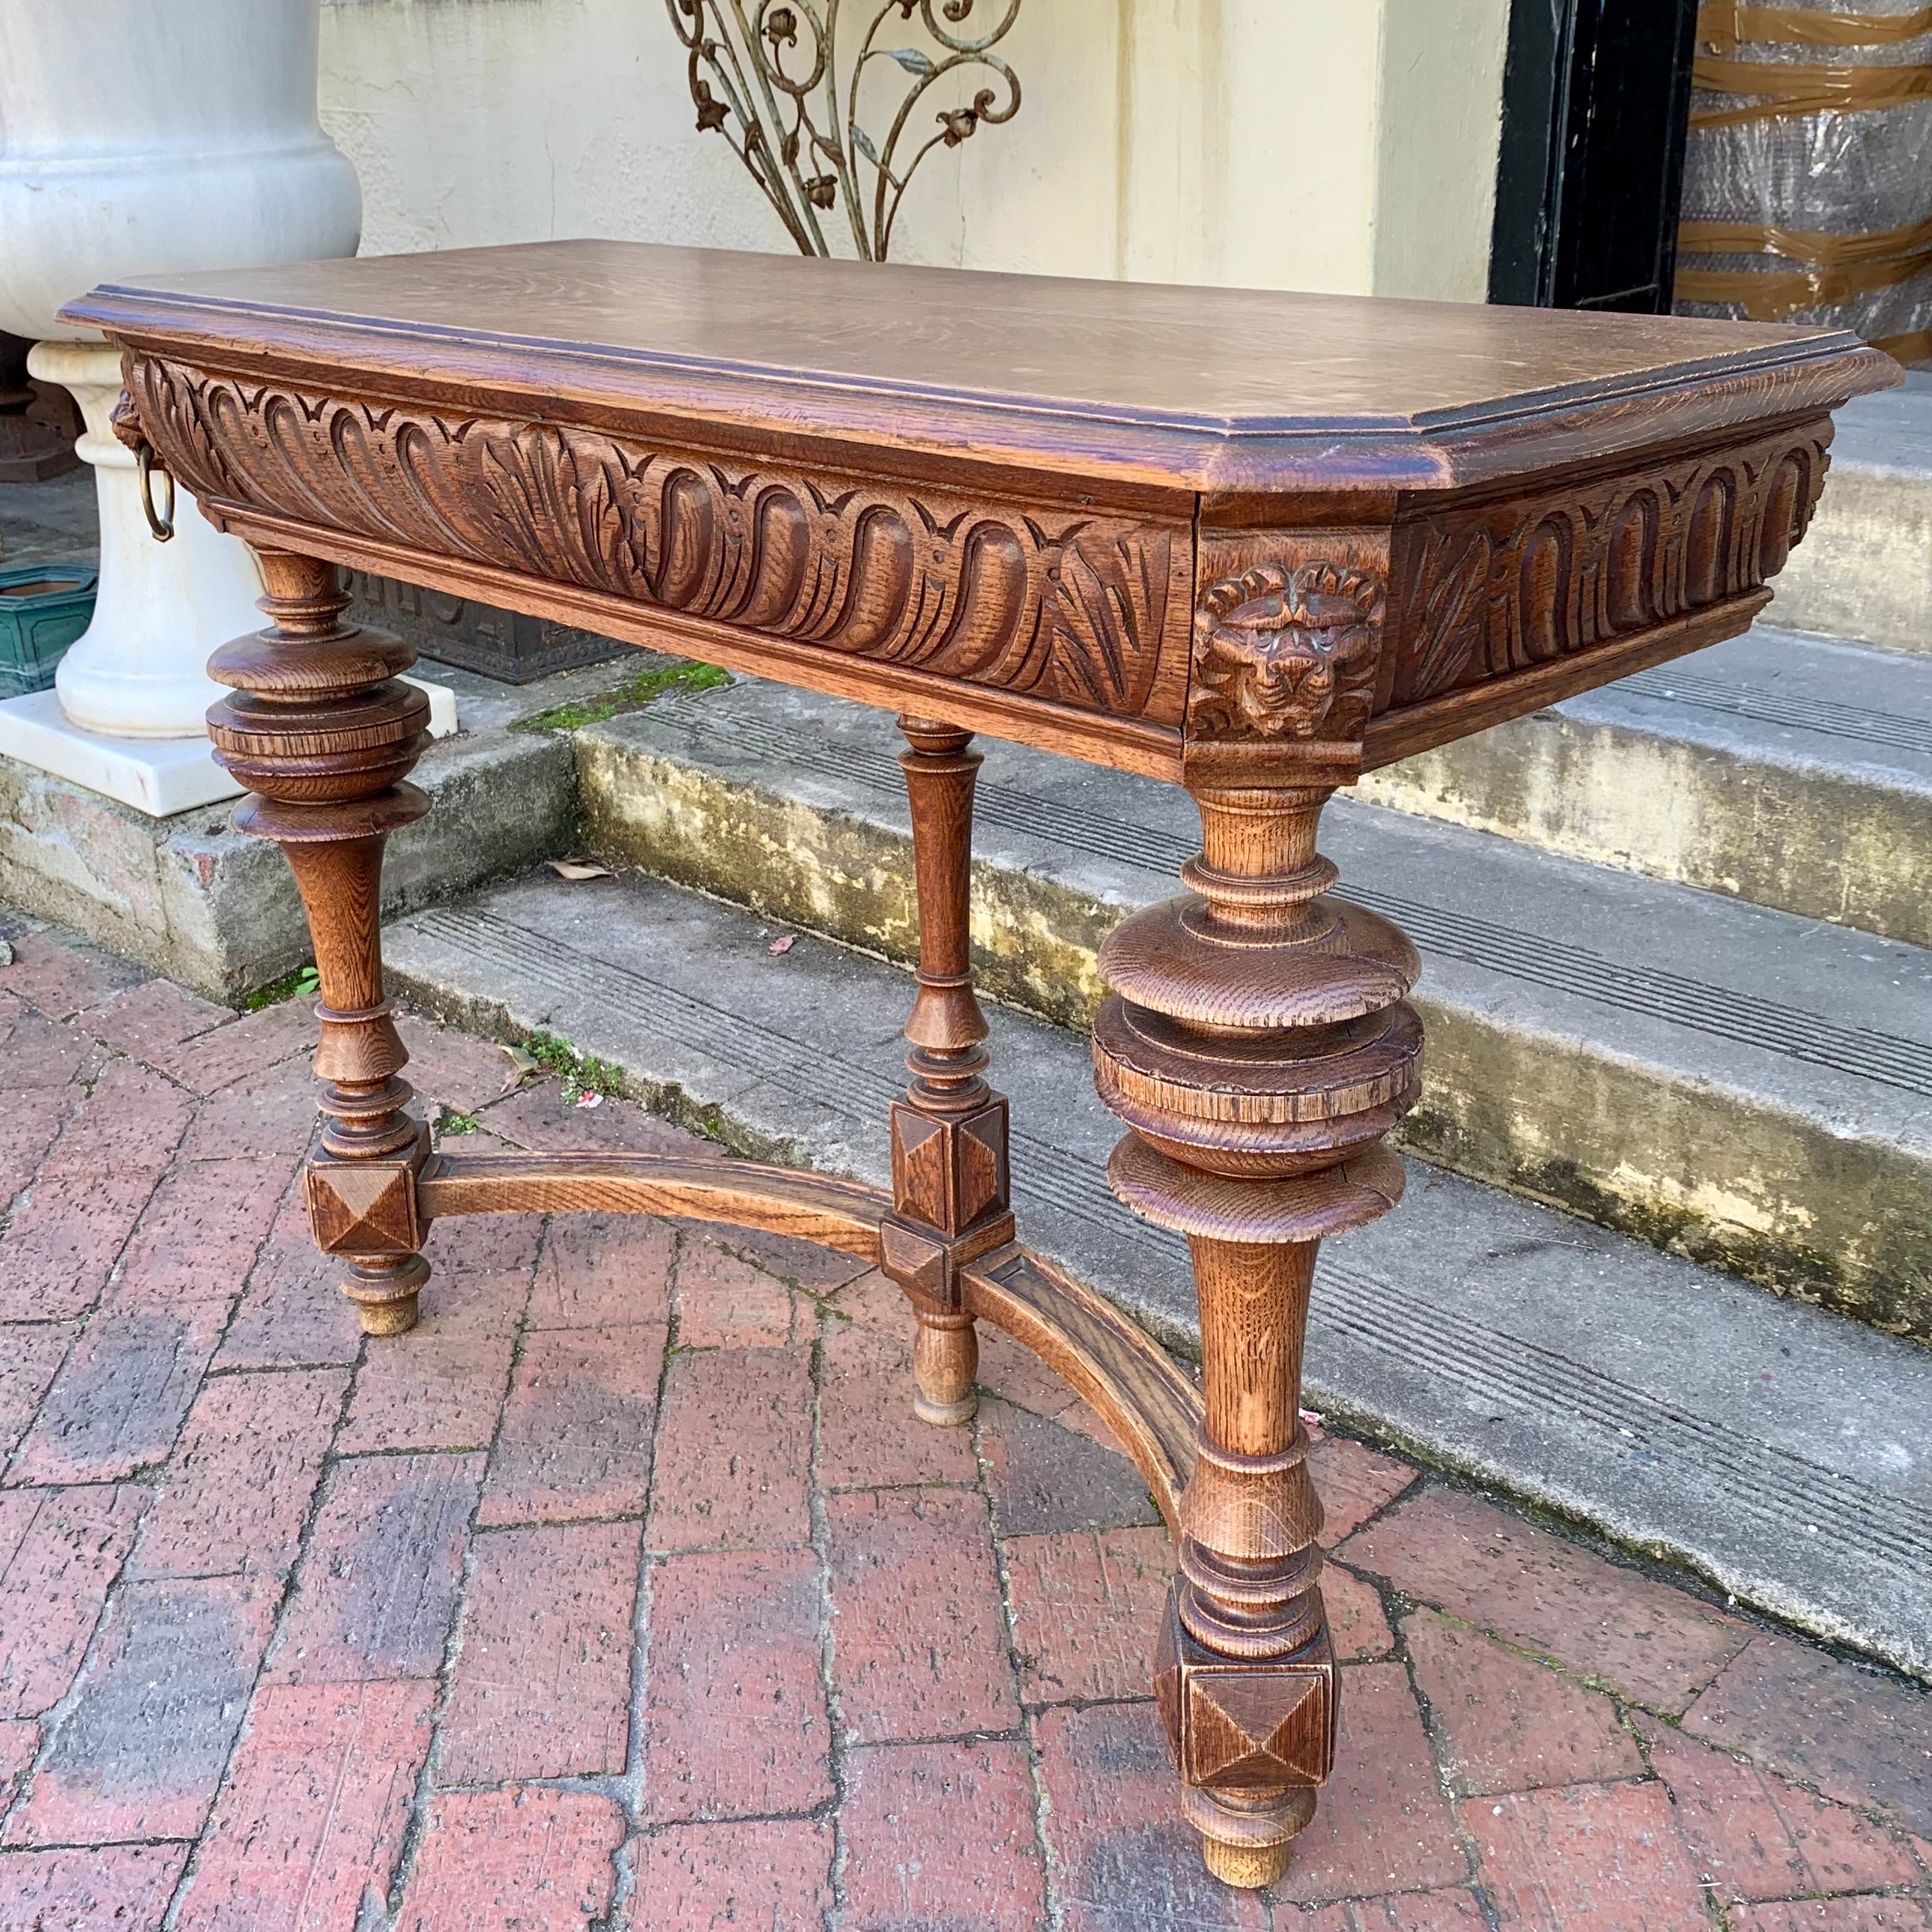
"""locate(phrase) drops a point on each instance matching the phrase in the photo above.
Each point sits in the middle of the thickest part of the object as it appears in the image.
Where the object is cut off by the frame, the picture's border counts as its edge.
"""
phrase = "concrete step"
(192, 897)
(1791, 771)
(1744, 1087)
(1785, 1453)
(1864, 570)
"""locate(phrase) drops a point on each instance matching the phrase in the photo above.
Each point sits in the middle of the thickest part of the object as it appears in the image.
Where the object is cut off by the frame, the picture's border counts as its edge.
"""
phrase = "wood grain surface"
(1202, 387)
(1119, 520)
(952, 1193)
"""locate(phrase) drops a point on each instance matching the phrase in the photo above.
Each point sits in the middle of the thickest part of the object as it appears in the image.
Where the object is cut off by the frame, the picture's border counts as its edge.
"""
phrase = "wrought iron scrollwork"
(776, 78)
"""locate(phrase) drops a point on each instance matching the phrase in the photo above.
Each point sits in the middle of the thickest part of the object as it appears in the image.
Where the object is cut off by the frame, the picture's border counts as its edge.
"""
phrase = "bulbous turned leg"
(322, 732)
(1257, 1044)
(949, 1179)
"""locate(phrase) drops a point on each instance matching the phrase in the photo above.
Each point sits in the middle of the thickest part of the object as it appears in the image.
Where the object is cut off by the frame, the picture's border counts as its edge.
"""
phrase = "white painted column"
(136, 672)
(143, 137)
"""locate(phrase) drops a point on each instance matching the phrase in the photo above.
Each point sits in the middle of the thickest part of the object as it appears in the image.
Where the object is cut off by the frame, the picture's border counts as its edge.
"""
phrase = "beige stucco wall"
(1340, 144)
(1441, 71)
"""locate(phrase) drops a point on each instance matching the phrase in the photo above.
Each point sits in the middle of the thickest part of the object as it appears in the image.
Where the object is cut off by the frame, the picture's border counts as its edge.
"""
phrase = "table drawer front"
(1490, 591)
(1077, 608)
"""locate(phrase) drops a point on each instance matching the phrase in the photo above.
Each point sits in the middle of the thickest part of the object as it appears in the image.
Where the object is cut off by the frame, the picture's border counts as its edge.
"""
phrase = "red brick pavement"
(627, 1593)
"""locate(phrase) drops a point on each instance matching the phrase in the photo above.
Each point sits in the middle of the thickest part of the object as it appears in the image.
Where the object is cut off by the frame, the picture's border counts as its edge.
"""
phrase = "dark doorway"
(1596, 95)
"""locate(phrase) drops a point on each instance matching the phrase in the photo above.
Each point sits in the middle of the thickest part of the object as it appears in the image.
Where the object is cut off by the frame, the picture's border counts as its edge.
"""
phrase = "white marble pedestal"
(137, 671)
(136, 137)
(158, 776)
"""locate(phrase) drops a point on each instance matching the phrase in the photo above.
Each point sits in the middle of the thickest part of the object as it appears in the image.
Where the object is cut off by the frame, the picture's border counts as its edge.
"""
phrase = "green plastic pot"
(43, 607)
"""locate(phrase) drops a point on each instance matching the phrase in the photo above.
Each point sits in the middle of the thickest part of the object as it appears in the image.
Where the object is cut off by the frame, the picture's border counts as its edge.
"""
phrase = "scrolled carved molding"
(1085, 611)
(1486, 592)
(1294, 644)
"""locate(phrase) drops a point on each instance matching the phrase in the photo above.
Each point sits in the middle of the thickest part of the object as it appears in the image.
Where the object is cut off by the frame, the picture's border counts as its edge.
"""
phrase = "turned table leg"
(949, 1185)
(322, 732)
(1257, 1044)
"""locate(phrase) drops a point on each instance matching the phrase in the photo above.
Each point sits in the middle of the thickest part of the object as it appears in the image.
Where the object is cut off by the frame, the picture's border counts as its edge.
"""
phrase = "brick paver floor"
(625, 1593)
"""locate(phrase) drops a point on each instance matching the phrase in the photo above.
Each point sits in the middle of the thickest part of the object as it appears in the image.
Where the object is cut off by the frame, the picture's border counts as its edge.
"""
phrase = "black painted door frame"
(1590, 168)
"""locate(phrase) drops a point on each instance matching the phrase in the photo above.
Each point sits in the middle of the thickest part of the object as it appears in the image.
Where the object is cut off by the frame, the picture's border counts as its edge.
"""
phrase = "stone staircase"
(1677, 982)
(1794, 772)
(1864, 570)
(1744, 1085)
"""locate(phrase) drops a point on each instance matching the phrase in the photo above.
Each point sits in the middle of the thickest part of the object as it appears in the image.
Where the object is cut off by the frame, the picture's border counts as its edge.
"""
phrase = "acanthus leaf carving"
(159, 410)
(1083, 610)
(1102, 614)
(1488, 590)
(1454, 606)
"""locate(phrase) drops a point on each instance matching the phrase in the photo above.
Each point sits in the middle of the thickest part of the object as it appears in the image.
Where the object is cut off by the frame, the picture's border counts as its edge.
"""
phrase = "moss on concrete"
(301, 984)
(1033, 941)
(632, 694)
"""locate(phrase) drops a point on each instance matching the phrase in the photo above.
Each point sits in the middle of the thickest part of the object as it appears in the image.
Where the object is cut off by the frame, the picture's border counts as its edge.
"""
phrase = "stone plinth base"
(181, 891)
(161, 776)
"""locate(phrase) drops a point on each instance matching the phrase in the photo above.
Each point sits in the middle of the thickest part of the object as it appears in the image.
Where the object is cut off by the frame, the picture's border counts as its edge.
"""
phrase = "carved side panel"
(1086, 610)
(1483, 591)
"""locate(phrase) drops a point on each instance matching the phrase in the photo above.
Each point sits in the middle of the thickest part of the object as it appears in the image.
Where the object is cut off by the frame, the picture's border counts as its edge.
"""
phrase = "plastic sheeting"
(1808, 170)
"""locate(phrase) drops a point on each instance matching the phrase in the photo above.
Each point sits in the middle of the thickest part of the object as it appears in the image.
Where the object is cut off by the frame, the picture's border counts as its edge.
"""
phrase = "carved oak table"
(1252, 543)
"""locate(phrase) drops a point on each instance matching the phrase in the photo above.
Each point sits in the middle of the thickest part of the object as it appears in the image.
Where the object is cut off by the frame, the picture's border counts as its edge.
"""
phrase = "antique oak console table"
(1252, 544)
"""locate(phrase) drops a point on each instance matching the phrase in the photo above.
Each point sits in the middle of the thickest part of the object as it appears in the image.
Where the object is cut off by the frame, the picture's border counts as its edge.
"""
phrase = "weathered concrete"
(1864, 570)
(54, 522)
(1788, 770)
(195, 900)
(1786, 1453)
(1732, 1083)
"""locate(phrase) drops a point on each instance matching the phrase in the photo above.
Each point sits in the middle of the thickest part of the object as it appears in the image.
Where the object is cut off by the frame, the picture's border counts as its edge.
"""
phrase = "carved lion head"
(1292, 654)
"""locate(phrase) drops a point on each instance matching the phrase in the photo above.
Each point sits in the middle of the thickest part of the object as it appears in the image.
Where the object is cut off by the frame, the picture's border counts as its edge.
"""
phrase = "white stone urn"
(139, 137)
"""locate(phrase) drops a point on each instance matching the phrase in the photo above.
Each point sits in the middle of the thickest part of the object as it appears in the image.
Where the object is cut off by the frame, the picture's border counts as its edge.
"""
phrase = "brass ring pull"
(162, 527)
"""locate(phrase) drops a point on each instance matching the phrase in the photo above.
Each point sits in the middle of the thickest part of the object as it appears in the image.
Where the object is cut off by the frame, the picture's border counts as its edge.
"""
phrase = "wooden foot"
(950, 1203)
(386, 1295)
(1257, 1045)
(946, 1364)
(1236, 1862)
(322, 732)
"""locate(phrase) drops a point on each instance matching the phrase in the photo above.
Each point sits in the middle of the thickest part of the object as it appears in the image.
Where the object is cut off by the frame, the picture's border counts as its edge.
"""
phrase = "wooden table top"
(1201, 388)
(1169, 528)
